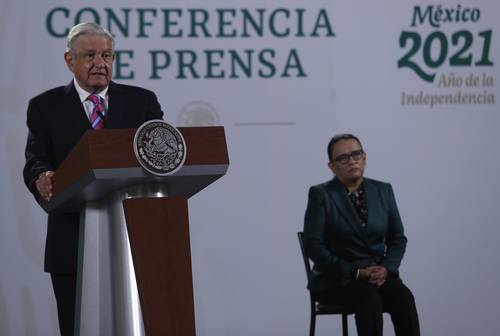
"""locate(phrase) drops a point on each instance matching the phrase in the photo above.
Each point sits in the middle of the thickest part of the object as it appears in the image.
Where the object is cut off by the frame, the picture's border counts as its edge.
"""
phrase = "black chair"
(319, 308)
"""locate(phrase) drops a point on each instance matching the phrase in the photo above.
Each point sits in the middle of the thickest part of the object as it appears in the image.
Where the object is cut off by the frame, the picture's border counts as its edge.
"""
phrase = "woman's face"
(353, 169)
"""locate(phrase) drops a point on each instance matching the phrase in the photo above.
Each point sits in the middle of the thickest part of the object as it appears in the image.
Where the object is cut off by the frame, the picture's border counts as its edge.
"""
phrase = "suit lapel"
(339, 194)
(74, 109)
(116, 103)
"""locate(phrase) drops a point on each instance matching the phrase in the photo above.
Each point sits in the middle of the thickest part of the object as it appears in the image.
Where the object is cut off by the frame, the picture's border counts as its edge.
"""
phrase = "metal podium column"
(107, 299)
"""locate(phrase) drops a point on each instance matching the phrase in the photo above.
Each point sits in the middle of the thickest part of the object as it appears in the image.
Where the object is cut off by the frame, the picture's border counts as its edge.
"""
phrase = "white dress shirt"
(88, 106)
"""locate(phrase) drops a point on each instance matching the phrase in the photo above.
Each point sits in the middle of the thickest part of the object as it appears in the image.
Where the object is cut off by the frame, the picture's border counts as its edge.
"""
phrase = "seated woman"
(355, 237)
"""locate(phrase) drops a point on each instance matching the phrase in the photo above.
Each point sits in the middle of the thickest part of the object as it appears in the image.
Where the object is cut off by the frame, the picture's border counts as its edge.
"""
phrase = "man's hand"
(44, 185)
(375, 275)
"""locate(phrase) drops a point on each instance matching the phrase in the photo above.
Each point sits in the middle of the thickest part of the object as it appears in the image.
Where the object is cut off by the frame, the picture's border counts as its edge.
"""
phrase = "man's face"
(352, 170)
(91, 61)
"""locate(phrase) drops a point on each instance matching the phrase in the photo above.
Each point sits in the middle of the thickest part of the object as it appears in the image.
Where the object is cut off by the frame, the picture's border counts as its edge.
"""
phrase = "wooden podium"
(134, 260)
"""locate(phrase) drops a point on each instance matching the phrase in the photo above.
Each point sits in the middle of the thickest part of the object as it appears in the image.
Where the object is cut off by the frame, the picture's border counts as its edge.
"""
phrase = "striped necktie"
(97, 116)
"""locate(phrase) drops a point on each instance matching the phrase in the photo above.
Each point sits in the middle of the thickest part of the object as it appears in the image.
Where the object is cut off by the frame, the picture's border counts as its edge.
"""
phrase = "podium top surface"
(104, 161)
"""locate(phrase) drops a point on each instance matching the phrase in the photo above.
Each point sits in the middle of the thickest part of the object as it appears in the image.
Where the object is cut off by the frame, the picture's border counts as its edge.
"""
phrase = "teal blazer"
(337, 243)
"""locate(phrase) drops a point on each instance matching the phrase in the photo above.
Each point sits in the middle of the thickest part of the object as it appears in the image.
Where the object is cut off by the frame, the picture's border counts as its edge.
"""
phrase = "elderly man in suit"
(56, 120)
(354, 235)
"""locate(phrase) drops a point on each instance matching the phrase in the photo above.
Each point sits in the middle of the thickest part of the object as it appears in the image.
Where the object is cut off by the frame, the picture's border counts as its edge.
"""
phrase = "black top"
(358, 201)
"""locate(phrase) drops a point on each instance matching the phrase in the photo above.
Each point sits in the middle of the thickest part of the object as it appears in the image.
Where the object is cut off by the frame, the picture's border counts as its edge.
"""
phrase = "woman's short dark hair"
(337, 138)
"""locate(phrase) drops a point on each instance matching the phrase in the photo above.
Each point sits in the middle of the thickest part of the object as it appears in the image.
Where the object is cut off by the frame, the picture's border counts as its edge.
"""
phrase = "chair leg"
(345, 326)
(312, 326)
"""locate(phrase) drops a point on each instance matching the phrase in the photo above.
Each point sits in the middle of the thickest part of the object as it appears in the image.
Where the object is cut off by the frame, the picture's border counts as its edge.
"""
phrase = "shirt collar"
(83, 94)
(360, 190)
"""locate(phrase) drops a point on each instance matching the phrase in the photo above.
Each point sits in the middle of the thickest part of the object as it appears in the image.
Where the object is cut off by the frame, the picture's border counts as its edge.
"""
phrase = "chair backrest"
(304, 256)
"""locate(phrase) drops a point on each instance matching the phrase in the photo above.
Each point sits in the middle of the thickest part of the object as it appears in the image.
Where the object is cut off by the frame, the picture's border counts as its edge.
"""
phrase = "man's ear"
(68, 58)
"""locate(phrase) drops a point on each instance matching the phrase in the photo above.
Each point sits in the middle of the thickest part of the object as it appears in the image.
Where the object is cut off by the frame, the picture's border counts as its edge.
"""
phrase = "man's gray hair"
(86, 28)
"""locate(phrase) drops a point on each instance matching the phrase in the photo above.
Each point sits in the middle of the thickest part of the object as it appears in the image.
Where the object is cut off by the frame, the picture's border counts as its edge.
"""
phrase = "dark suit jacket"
(335, 240)
(56, 121)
